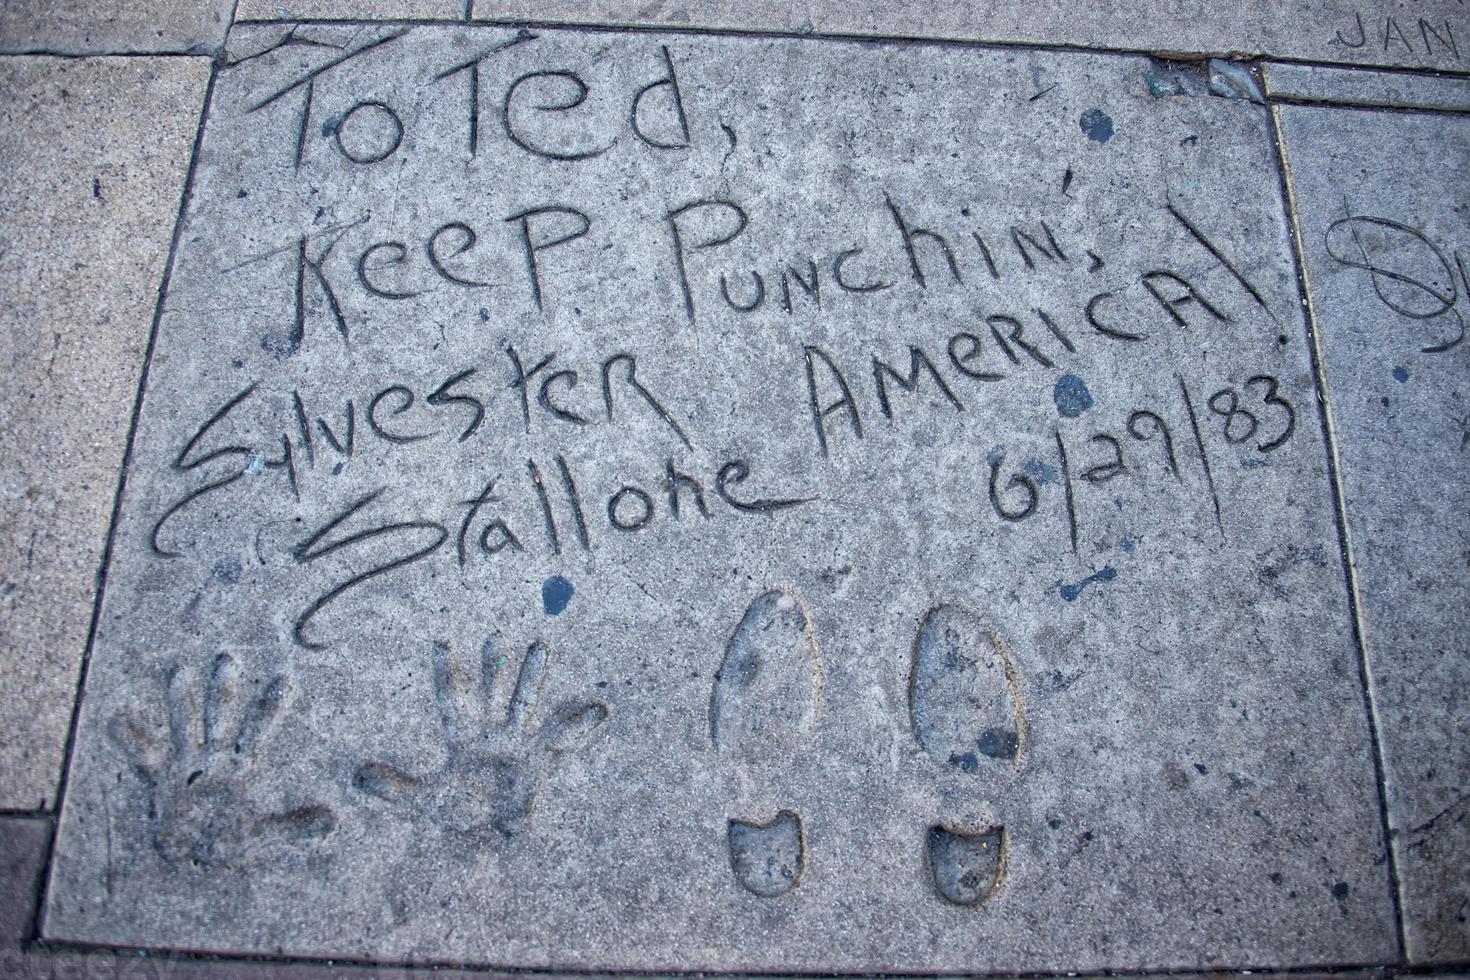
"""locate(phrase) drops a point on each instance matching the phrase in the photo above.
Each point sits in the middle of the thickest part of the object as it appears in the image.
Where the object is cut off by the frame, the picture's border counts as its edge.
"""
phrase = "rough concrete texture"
(668, 517)
(23, 848)
(351, 9)
(23, 845)
(1357, 86)
(1435, 34)
(113, 27)
(102, 147)
(1387, 245)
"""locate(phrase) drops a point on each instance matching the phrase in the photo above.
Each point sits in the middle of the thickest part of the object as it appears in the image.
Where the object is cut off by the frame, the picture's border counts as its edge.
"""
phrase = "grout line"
(122, 480)
(234, 17)
(79, 55)
(38, 887)
(1344, 535)
(766, 34)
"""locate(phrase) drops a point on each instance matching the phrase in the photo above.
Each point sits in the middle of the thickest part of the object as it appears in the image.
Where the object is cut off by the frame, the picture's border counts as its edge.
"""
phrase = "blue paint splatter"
(556, 592)
(1071, 396)
(1400, 375)
(1041, 471)
(228, 570)
(1070, 593)
(1097, 125)
(965, 763)
(999, 743)
(995, 455)
(1128, 544)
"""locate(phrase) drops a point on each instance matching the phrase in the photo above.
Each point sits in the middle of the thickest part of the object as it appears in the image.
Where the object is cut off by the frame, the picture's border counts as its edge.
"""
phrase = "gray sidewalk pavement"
(972, 488)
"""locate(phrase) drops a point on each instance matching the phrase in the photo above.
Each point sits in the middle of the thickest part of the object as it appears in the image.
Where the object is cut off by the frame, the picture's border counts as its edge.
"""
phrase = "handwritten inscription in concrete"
(671, 501)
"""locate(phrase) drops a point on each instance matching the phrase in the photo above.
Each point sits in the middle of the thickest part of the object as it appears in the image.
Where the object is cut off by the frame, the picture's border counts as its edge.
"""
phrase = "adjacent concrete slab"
(1378, 32)
(23, 846)
(352, 10)
(1383, 216)
(1357, 86)
(103, 147)
(640, 501)
(113, 26)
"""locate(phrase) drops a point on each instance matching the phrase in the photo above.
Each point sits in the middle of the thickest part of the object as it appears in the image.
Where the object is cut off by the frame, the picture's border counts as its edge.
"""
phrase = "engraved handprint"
(496, 758)
(200, 772)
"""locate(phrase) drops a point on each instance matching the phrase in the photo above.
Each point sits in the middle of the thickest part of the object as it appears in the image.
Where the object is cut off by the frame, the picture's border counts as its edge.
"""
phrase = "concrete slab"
(351, 10)
(103, 147)
(113, 26)
(1385, 32)
(1382, 205)
(864, 497)
(23, 845)
(1357, 86)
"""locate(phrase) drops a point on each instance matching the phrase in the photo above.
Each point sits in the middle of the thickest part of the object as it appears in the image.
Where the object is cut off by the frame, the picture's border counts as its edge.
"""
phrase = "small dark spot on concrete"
(279, 345)
(965, 763)
(1098, 125)
(1340, 891)
(1057, 682)
(1054, 823)
(1383, 401)
(228, 570)
(241, 193)
(1282, 339)
(1400, 374)
(1069, 593)
(237, 364)
(1239, 782)
(1128, 545)
(999, 743)
(1202, 769)
(1276, 877)
(556, 592)
(330, 126)
(1071, 396)
(1041, 471)
(97, 188)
